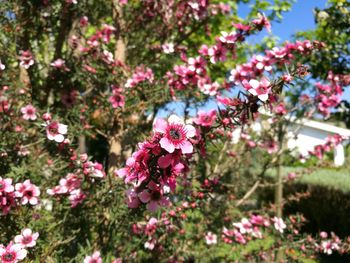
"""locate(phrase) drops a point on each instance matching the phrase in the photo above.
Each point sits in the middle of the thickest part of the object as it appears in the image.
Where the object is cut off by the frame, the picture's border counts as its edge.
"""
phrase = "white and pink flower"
(29, 112)
(210, 238)
(279, 224)
(176, 134)
(27, 238)
(205, 119)
(28, 193)
(6, 185)
(94, 258)
(12, 253)
(56, 131)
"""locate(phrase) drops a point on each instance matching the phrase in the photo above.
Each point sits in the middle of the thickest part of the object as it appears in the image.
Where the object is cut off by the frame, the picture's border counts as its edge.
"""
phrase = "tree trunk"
(115, 155)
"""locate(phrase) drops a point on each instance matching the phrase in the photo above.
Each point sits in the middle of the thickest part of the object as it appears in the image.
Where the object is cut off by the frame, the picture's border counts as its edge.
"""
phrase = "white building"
(312, 133)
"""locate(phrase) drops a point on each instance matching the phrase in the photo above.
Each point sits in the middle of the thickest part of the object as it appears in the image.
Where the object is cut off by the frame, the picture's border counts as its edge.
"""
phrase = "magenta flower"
(29, 112)
(56, 131)
(154, 197)
(176, 134)
(117, 99)
(94, 258)
(28, 192)
(12, 253)
(27, 238)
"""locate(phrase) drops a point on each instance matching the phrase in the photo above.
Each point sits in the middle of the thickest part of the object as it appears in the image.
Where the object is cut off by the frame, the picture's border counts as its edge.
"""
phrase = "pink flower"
(217, 53)
(28, 192)
(26, 59)
(205, 119)
(260, 89)
(117, 99)
(323, 235)
(150, 244)
(27, 238)
(168, 48)
(262, 21)
(12, 253)
(154, 197)
(6, 185)
(244, 226)
(210, 238)
(279, 224)
(76, 197)
(55, 131)
(94, 258)
(59, 63)
(291, 176)
(176, 134)
(29, 112)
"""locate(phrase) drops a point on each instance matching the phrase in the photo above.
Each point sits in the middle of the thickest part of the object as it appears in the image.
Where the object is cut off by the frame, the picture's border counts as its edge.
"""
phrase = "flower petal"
(167, 145)
(186, 147)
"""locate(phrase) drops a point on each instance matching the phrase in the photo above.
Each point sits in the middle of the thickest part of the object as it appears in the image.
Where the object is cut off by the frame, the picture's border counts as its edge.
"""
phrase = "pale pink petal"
(253, 92)
(254, 83)
(62, 129)
(190, 131)
(27, 232)
(18, 239)
(160, 126)
(263, 97)
(175, 119)
(59, 138)
(167, 145)
(186, 147)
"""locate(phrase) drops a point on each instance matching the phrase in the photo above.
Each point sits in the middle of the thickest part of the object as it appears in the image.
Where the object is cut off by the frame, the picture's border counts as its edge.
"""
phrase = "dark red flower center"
(156, 196)
(9, 257)
(27, 239)
(175, 134)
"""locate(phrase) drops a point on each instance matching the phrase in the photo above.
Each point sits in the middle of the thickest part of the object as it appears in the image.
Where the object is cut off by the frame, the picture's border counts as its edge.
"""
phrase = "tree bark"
(115, 155)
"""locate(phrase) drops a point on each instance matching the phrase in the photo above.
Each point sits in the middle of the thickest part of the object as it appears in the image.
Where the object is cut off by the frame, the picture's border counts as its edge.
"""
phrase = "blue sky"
(299, 18)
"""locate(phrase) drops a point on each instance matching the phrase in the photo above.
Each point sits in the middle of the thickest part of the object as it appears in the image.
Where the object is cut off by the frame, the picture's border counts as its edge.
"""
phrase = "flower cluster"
(331, 141)
(154, 167)
(248, 229)
(21, 193)
(194, 72)
(72, 184)
(328, 97)
(248, 73)
(17, 250)
(141, 74)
